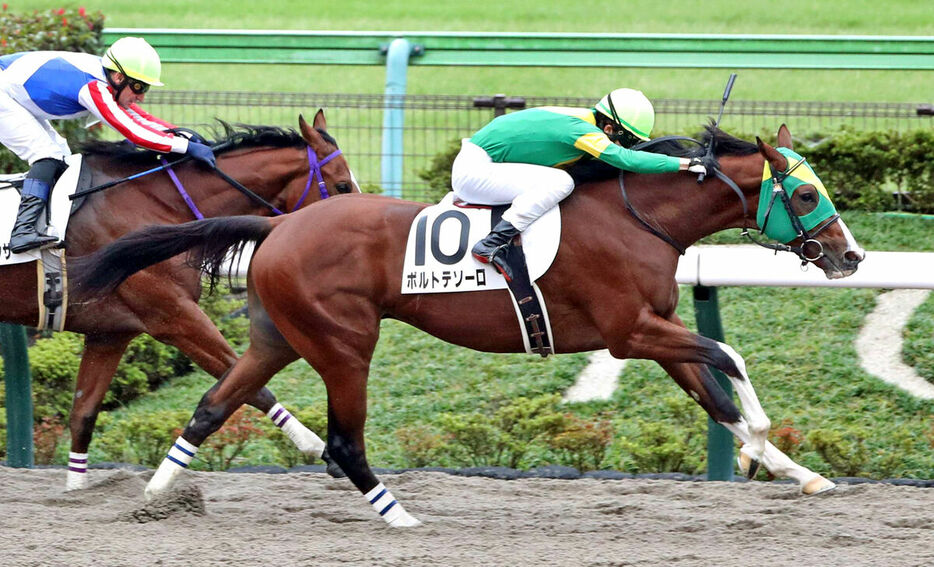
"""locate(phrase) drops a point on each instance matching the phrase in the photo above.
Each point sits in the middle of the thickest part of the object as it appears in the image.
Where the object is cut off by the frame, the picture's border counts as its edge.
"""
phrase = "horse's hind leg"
(257, 365)
(192, 332)
(340, 349)
(102, 353)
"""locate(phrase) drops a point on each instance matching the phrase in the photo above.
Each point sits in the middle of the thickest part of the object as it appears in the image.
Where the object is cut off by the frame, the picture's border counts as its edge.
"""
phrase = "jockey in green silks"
(520, 158)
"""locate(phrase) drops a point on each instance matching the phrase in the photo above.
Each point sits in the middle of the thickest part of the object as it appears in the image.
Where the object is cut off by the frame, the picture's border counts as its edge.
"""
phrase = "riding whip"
(726, 95)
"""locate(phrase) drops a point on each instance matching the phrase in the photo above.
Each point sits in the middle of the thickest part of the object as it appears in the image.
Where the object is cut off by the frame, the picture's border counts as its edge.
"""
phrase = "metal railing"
(729, 51)
(432, 123)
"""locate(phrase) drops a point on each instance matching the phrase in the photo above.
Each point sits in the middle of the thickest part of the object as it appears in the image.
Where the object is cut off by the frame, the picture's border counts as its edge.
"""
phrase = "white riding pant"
(532, 189)
(29, 137)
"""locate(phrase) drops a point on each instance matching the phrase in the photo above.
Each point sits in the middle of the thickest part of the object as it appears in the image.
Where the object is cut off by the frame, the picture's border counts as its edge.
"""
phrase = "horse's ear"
(309, 133)
(319, 120)
(772, 155)
(784, 137)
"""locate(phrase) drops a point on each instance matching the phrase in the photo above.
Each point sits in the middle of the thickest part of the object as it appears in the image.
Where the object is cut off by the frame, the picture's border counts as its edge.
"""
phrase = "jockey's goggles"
(138, 87)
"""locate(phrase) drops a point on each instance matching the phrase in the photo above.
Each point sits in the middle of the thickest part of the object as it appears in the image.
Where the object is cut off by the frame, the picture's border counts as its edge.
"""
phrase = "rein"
(777, 191)
(314, 173)
(632, 210)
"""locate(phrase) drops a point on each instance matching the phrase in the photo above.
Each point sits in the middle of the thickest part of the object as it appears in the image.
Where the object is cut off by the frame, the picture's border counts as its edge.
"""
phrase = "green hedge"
(869, 171)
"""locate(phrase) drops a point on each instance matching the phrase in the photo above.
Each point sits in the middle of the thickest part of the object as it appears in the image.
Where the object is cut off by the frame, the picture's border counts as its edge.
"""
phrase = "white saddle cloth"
(438, 258)
(60, 210)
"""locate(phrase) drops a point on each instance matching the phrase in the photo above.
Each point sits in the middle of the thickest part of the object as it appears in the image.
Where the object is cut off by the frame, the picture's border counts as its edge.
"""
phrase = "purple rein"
(314, 172)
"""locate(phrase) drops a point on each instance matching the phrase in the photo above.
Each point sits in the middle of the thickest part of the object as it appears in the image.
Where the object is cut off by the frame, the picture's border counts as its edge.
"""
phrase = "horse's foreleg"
(701, 385)
(99, 362)
(668, 340)
(249, 374)
(346, 418)
(194, 334)
(781, 465)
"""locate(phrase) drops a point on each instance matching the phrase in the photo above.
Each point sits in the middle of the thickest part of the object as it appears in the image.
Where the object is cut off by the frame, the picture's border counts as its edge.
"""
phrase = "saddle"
(51, 267)
(437, 260)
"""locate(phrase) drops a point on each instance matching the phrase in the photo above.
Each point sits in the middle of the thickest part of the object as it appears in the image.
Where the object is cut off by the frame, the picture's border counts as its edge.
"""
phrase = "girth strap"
(52, 280)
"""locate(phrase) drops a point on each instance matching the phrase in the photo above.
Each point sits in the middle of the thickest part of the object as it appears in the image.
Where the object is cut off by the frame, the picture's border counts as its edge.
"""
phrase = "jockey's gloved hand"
(696, 165)
(201, 153)
(188, 134)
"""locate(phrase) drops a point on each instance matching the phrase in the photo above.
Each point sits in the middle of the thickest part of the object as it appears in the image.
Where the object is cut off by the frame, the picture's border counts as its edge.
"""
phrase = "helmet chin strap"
(118, 88)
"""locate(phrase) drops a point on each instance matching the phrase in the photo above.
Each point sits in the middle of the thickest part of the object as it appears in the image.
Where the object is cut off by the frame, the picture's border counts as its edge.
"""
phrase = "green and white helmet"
(135, 58)
(630, 109)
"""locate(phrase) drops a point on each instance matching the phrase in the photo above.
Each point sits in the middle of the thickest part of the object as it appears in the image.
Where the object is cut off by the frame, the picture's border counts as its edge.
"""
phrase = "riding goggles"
(138, 87)
(772, 217)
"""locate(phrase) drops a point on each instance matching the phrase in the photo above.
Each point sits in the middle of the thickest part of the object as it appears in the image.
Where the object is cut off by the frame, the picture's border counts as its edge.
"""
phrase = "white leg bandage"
(304, 438)
(780, 464)
(390, 510)
(178, 459)
(77, 478)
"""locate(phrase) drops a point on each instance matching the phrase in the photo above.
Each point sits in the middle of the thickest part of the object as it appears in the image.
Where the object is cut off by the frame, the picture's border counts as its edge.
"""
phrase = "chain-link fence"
(434, 122)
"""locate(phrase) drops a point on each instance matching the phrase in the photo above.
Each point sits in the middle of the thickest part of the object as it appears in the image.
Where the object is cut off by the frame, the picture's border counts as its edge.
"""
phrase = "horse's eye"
(808, 198)
(343, 187)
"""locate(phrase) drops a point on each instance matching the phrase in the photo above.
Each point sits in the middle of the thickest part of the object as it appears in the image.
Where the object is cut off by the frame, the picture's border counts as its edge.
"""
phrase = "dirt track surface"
(311, 519)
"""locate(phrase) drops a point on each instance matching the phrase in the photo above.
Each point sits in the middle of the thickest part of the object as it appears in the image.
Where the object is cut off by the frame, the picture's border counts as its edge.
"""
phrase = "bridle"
(807, 238)
(778, 191)
(314, 173)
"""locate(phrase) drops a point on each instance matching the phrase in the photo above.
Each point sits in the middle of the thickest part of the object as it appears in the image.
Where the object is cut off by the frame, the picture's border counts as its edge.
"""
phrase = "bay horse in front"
(322, 279)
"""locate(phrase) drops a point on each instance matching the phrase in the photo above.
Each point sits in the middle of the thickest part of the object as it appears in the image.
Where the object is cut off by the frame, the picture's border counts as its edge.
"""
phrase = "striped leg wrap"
(181, 453)
(304, 438)
(381, 499)
(386, 506)
(279, 415)
(78, 463)
(77, 476)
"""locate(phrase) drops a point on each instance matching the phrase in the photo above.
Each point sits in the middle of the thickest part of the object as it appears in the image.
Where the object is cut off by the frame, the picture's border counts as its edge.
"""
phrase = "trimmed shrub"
(583, 444)
(140, 439)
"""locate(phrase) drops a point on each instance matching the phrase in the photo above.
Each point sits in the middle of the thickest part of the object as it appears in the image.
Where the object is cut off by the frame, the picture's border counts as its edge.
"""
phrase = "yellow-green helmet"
(630, 109)
(135, 58)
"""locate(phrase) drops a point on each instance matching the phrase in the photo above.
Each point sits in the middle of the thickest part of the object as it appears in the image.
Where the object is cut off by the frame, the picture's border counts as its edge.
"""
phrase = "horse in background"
(321, 281)
(284, 169)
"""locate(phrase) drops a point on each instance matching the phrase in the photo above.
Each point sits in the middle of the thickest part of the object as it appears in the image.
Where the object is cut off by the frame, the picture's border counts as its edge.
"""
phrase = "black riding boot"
(25, 236)
(493, 248)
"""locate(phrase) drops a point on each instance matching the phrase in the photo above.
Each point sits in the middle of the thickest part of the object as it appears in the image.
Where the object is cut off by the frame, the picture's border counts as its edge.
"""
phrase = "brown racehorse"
(276, 164)
(322, 279)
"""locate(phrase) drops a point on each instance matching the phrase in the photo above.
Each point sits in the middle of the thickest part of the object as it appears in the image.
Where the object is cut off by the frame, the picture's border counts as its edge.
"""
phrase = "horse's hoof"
(748, 466)
(333, 469)
(817, 485)
(406, 520)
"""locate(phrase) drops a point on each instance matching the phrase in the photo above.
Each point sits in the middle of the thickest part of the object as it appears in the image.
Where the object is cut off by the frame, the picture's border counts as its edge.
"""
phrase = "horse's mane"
(238, 135)
(724, 145)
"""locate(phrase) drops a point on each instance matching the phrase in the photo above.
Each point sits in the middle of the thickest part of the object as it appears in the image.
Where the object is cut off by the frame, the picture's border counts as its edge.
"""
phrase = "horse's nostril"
(853, 256)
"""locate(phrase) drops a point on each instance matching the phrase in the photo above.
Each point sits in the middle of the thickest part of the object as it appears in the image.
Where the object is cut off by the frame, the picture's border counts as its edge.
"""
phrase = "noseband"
(314, 170)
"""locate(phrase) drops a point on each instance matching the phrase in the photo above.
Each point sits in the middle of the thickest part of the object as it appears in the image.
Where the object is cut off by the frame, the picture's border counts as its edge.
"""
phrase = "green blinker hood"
(779, 225)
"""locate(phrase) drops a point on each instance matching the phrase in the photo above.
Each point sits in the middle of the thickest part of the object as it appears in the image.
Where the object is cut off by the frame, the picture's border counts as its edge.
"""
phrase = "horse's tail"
(209, 243)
